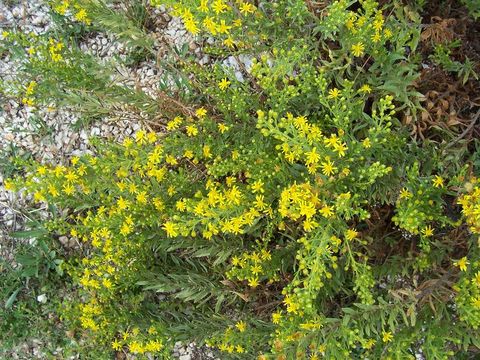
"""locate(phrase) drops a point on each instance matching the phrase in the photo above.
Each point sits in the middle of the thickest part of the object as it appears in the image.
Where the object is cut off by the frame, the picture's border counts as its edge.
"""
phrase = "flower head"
(438, 181)
(387, 336)
(224, 84)
(358, 49)
(462, 263)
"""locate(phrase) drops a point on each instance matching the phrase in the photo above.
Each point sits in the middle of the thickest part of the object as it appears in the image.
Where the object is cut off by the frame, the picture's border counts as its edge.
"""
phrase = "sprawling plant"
(284, 212)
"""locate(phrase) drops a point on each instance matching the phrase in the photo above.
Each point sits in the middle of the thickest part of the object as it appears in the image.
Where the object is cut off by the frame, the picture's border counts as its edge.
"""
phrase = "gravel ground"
(48, 135)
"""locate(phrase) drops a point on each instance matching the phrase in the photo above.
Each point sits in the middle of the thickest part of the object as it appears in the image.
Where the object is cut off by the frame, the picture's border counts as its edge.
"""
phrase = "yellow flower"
(140, 137)
(365, 89)
(326, 211)
(292, 306)
(192, 130)
(378, 23)
(462, 263)
(116, 345)
(68, 189)
(122, 203)
(358, 49)
(151, 137)
(223, 28)
(253, 282)
(203, 7)
(307, 209)
(154, 346)
(387, 336)
(312, 156)
(328, 168)
(181, 205)
(340, 148)
(276, 317)
(369, 344)
(376, 37)
(191, 26)
(219, 6)
(405, 194)
(438, 182)
(259, 203)
(170, 228)
(229, 42)
(351, 234)
(81, 15)
(169, 159)
(222, 127)
(366, 143)
(223, 85)
(256, 269)
(476, 279)
(38, 196)
(247, 8)
(333, 93)
(30, 88)
(241, 326)
(309, 225)
(41, 170)
(257, 186)
(210, 25)
(235, 261)
(174, 124)
(142, 197)
(207, 152)
(201, 112)
(9, 185)
(188, 154)
(427, 231)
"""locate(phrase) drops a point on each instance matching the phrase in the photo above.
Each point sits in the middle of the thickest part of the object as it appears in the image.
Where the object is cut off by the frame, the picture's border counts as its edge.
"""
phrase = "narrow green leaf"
(11, 298)
(35, 233)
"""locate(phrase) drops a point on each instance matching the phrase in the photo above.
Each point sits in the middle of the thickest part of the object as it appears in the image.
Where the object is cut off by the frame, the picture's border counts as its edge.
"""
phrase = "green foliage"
(37, 272)
(442, 57)
(473, 8)
(283, 212)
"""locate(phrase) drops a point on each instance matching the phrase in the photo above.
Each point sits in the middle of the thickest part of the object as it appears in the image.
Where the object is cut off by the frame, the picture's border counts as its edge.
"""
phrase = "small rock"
(42, 298)
(17, 12)
(63, 240)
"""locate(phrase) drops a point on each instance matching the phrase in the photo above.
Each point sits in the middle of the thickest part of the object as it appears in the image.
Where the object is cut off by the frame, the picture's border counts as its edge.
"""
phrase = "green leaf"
(35, 233)
(11, 298)
(219, 302)
(203, 252)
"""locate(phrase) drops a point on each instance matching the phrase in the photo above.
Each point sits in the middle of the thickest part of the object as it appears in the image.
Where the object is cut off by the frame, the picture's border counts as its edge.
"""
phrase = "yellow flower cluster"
(369, 24)
(215, 17)
(55, 50)
(72, 7)
(29, 92)
(470, 203)
(303, 141)
(252, 266)
(300, 201)
(232, 340)
(468, 291)
(139, 344)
